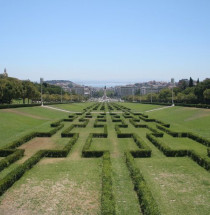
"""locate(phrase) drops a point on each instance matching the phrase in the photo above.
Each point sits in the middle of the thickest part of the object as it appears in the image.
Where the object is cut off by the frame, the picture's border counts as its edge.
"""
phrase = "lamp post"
(133, 93)
(140, 94)
(41, 82)
(172, 91)
(61, 95)
(151, 93)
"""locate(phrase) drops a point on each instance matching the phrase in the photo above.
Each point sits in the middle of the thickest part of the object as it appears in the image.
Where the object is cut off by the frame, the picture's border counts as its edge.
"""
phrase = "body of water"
(102, 83)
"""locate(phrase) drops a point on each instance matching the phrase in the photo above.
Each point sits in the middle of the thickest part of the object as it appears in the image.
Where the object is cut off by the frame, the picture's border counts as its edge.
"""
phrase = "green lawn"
(73, 106)
(73, 184)
(19, 121)
(185, 119)
(56, 187)
(137, 107)
(179, 185)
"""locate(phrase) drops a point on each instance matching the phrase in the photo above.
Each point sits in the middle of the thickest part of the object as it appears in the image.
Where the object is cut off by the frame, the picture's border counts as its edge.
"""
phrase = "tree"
(206, 94)
(29, 91)
(10, 88)
(183, 84)
(165, 95)
(200, 88)
(2, 89)
(191, 82)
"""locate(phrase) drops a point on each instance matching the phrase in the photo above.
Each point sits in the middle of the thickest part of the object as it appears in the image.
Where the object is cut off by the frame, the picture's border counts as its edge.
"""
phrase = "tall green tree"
(165, 95)
(191, 82)
(206, 94)
(29, 91)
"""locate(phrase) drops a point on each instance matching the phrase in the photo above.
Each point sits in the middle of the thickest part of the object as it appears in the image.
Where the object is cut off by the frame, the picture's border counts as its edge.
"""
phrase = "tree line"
(14, 89)
(188, 93)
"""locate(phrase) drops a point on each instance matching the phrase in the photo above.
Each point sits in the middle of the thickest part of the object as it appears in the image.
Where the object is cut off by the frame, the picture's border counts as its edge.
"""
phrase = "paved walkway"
(67, 111)
(159, 108)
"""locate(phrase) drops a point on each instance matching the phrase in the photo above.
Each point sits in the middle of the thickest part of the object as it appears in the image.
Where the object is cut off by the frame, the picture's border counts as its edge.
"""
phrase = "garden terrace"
(105, 158)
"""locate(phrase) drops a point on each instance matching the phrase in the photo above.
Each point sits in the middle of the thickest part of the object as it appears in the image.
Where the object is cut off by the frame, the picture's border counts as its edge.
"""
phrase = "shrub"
(199, 139)
(146, 200)
(202, 161)
(56, 123)
(107, 197)
(18, 105)
(11, 158)
(17, 173)
(49, 133)
(21, 140)
(66, 132)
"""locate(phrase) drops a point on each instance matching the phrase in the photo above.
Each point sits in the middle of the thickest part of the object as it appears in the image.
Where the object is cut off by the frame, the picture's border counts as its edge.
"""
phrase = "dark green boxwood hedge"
(202, 161)
(16, 155)
(107, 197)
(147, 202)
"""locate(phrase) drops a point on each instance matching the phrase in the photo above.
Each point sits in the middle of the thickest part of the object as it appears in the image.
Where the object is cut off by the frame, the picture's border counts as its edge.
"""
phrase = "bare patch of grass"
(48, 197)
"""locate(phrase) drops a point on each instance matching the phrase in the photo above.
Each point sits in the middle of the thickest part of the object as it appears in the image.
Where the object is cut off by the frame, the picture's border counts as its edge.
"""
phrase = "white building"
(79, 90)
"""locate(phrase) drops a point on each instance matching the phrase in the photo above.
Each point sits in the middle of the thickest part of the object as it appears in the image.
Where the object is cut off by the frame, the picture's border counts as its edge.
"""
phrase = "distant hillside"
(63, 83)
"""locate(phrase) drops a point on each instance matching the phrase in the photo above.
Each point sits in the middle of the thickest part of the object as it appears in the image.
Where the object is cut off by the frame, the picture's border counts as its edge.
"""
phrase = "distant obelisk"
(104, 97)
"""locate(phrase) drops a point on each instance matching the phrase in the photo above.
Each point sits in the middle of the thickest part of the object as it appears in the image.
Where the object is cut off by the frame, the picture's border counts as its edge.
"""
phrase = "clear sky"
(124, 40)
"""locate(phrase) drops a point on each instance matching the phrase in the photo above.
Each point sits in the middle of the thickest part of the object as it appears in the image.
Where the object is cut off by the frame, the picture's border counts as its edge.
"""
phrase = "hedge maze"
(123, 124)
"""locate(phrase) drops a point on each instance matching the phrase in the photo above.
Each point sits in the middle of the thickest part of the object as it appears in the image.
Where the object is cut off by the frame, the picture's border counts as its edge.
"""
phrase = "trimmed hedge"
(127, 115)
(49, 133)
(86, 152)
(172, 133)
(190, 135)
(122, 135)
(6, 152)
(21, 141)
(144, 151)
(17, 173)
(162, 123)
(56, 123)
(146, 200)
(65, 151)
(107, 197)
(202, 161)
(16, 155)
(66, 132)
(6, 106)
(199, 139)
(135, 124)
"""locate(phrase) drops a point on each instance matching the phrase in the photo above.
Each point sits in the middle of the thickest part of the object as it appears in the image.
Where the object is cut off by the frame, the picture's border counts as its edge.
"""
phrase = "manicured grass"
(179, 185)
(137, 107)
(73, 106)
(185, 119)
(58, 187)
(18, 122)
(185, 143)
(72, 184)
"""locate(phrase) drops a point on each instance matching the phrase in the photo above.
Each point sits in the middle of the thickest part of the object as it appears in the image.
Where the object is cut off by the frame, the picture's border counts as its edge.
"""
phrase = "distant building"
(183, 81)
(145, 90)
(154, 89)
(87, 91)
(79, 90)
(127, 91)
(5, 74)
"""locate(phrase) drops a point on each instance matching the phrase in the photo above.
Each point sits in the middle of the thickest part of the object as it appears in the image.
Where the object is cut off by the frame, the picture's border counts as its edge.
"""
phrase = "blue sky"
(132, 40)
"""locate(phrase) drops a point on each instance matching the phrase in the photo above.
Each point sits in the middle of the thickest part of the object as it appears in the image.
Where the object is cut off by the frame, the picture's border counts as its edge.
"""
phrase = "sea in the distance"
(102, 83)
